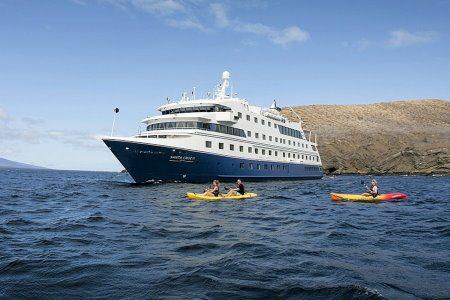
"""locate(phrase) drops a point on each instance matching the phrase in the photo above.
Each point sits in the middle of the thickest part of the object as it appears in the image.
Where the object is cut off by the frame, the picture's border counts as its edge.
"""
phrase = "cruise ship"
(219, 137)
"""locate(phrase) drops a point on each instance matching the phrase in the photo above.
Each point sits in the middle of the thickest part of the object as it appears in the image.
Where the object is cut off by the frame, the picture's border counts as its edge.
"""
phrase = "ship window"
(270, 152)
(264, 136)
(271, 167)
(256, 150)
(263, 151)
(258, 166)
(270, 138)
(262, 122)
(241, 148)
(239, 115)
(276, 153)
(276, 139)
(248, 117)
(256, 135)
(268, 123)
(284, 154)
(293, 155)
(289, 155)
(265, 167)
(241, 165)
(303, 156)
(250, 165)
(249, 149)
(231, 147)
(278, 167)
(289, 141)
(249, 133)
(208, 144)
(274, 125)
(256, 120)
(293, 143)
(220, 145)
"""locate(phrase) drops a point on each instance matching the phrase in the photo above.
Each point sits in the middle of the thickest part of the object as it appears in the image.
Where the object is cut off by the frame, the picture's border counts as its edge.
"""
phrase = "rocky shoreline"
(393, 138)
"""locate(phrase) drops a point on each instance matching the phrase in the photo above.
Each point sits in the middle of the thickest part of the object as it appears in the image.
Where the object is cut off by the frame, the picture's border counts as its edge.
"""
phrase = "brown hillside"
(403, 137)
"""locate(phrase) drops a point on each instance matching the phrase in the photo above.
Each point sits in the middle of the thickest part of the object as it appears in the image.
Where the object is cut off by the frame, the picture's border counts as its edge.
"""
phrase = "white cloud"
(163, 7)
(193, 14)
(186, 24)
(276, 36)
(32, 133)
(220, 15)
(404, 38)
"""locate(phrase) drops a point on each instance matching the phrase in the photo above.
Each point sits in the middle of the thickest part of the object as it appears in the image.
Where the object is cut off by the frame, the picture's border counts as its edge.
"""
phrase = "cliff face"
(404, 137)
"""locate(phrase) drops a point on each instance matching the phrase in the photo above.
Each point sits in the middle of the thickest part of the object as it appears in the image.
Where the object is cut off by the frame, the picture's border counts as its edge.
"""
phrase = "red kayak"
(382, 197)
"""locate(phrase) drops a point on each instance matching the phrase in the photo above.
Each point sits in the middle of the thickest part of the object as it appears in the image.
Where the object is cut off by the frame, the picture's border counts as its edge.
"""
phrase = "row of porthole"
(208, 144)
(282, 141)
(278, 167)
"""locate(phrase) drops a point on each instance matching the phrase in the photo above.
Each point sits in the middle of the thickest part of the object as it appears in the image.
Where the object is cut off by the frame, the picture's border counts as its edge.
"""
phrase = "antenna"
(222, 88)
(116, 111)
(300, 119)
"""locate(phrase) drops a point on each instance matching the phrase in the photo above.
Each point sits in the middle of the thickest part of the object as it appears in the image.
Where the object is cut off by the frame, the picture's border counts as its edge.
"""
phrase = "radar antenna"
(222, 88)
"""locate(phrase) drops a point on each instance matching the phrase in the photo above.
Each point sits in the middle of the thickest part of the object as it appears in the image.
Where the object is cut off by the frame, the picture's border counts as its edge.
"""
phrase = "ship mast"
(222, 88)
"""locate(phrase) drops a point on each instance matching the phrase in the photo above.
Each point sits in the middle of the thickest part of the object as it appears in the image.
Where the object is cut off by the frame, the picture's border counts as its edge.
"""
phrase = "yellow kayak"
(194, 196)
(354, 197)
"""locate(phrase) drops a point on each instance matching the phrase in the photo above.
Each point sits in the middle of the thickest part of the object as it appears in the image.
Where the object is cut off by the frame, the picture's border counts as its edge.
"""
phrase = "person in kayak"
(238, 191)
(373, 190)
(214, 190)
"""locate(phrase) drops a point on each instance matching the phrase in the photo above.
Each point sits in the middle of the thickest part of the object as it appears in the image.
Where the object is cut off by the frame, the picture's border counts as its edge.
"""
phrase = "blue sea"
(69, 234)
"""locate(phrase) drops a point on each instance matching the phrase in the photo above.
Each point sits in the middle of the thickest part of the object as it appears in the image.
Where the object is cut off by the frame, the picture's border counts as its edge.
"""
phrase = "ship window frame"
(248, 117)
(231, 147)
(208, 144)
(221, 146)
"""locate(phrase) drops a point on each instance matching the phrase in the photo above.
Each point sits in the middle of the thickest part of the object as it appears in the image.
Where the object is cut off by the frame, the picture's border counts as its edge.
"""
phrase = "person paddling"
(214, 190)
(373, 190)
(238, 191)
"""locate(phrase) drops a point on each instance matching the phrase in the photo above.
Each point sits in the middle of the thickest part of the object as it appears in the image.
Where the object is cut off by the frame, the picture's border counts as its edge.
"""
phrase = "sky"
(66, 64)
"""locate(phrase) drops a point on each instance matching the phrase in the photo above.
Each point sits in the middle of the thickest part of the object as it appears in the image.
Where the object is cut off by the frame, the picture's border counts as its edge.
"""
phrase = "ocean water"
(95, 235)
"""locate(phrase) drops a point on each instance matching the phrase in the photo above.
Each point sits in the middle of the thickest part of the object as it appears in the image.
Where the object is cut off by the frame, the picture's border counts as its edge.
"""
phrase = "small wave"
(20, 222)
(15, 266)
(38, 196)
(279, 197)
(95, 218)
(4, 231)
(439, 266)
(197, 247)
(340, 292)
(46, 242)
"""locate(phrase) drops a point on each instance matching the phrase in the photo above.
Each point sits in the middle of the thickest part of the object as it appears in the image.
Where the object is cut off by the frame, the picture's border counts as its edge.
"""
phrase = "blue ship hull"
(147, 163)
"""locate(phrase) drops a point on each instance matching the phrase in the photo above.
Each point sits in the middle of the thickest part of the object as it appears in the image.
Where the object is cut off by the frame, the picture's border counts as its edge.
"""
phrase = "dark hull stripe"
(145, 162)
